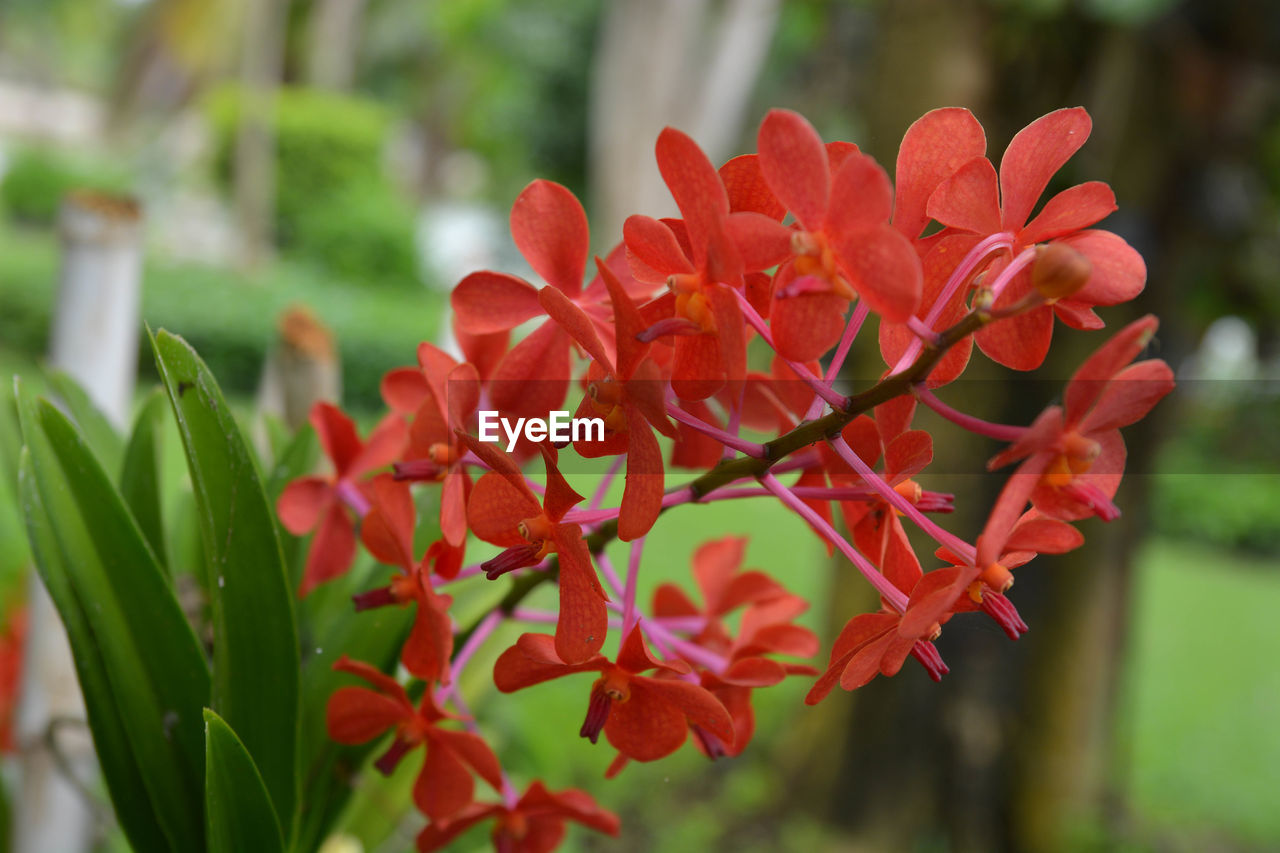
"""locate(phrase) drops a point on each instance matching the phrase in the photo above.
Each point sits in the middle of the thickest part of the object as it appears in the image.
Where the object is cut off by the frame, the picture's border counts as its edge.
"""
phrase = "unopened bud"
(1059, 271)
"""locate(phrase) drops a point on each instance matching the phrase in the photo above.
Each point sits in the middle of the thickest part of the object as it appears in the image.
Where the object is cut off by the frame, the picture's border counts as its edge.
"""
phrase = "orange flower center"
(815, 258)
(1075, 457)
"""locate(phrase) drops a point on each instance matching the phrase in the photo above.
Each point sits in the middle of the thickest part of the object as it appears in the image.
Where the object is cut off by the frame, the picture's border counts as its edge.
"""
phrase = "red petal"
(472, 749)
(670, 600)
(453, 508)
(696, 702)
(486, 302)
(754, 672)
(333, 548)
(697, 369)
(969, 199)
(867, 662)
(576, 323)
(1008, 509)
(760, 241)
(533, 379)
(1044, 536)
(652, 244)
(794, 163)
(747, 190)
(893, 418)
(907, 455)
(549, 227)
(357, 715)
(1032, 158)
(883, 267)
(694, 185)
(715, 564)
(495, 508)
(646, 727)
(302, 503)
(559, 497)
(808, 325)
(484, 351)
(1020, 342)
(387, 530)
(533, 660)
(1069, 211)
(1119, 273)
(403, 389)
(384, 446)
(934, 147)
(642, 494)
(444, 787)
(861, 194)
(1091, 378)
(1132, 393)
(584, 621)
(428, 648)
(337, 434)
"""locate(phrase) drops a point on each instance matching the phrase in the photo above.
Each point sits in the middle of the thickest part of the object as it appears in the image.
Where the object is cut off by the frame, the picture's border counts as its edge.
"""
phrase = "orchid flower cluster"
(784, 255)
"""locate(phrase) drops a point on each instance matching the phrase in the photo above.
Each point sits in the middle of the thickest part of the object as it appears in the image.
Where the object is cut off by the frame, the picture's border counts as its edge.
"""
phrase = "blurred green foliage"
(231, 316)
(36, 181)
(334, 204)
(1215, 482)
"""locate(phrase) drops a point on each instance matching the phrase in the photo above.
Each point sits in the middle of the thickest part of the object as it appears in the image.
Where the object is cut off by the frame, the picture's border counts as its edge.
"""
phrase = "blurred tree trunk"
(95, 340)
(261, 69)
(684, 63)
(333, 33)
(1014, 749)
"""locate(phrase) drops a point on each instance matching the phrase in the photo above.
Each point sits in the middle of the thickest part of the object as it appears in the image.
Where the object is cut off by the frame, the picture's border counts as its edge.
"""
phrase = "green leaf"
(154, 665)
(140, 476)
(238, 811)
(106, 442)
(255, 645)
(14, 557)
(120, 769)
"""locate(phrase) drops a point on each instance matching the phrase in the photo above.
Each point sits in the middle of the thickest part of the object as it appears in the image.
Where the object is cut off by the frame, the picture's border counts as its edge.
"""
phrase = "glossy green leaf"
(255, 647)
(151, 660)
(120, 769)
(238, 811)
(14, 556)
(107, 443)
(140, 474)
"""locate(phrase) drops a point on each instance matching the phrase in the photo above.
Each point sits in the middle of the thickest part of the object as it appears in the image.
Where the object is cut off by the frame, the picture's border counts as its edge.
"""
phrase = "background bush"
(335, 206)
(36, 181)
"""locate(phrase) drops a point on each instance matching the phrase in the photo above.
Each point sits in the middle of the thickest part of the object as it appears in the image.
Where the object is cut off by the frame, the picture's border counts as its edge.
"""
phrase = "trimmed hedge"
(229, 316)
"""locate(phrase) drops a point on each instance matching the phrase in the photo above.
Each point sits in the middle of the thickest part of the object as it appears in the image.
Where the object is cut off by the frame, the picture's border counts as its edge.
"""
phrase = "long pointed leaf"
(107, 443)
(151, 658)
(255, 680)
(238, 810)
(140, 476)
(120, 769)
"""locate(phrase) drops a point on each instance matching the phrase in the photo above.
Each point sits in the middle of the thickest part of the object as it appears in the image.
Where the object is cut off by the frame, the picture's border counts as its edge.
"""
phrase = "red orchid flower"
(503, 511)
(701, 270)
(1033, 534)
(643, 717)
(933, 148)
(534, 824)
(309, 503)
(450, 397)
(628, 398)
(878, 643)
(974, 200)
(876, 526)
(549, 227)
(843, 246)
(387, 532)
(444, 787)
(1073, 455)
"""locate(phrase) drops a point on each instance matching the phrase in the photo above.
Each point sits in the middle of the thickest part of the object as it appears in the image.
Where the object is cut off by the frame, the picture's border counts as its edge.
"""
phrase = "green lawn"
(1202, 699)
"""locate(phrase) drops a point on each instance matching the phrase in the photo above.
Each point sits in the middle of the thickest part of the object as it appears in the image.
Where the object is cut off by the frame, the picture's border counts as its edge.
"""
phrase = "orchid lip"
(597, 714)
(519, 557)
(669, 326)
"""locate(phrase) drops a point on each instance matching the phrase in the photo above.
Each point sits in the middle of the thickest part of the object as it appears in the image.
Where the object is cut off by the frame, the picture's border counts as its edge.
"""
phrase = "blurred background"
(357, 157)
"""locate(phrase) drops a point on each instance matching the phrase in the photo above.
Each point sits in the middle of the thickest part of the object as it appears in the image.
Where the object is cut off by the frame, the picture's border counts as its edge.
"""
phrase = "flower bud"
(1059, 271)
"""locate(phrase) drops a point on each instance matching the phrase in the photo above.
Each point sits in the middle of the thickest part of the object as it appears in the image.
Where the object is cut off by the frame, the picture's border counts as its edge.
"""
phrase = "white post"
(95, 340)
